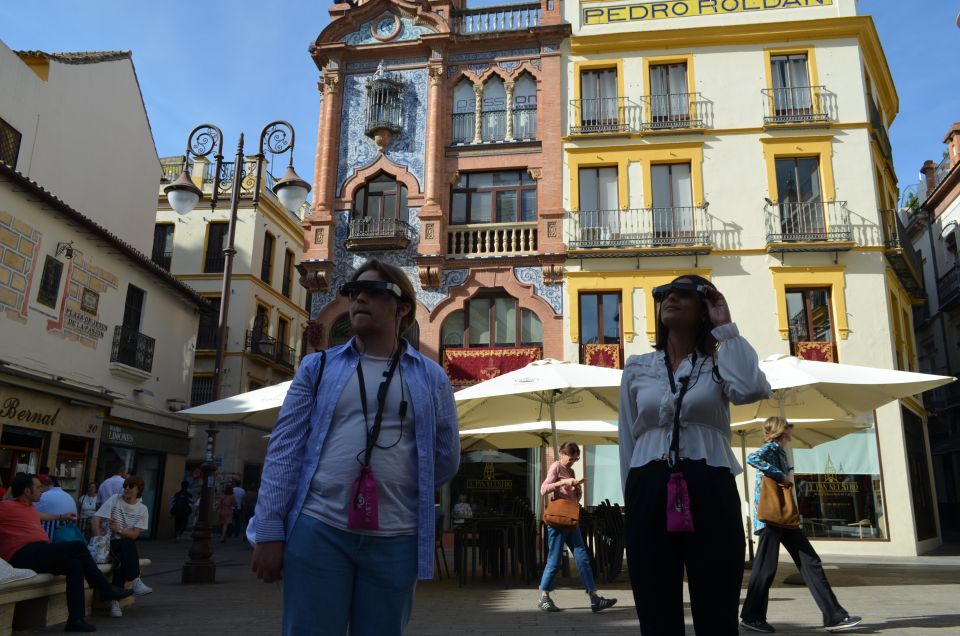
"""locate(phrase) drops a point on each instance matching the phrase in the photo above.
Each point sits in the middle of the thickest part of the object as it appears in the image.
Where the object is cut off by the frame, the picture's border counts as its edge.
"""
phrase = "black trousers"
(807, 561)
(126, 558)
(70, 559)
(712, 555)
(180, 524)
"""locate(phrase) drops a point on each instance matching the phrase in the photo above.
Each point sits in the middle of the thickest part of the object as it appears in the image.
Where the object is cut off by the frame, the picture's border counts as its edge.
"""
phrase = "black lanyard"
(674, 456)
(374, 434)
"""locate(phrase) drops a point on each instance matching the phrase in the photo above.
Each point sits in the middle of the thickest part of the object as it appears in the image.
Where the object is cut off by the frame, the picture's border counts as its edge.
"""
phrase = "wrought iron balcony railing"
(876, 121)
(132, 348)
(171, 168)
(379, 234)
(463, 127)
(795, 105)
(201, 391)
(497, 19)
(811, 222)
(604, 115)
(677, 110)
(491, 239)
(260, 344)
(948, 287)
(903, 258)
(524, 124)
(286, 356)
(639, 228)
(494, 126)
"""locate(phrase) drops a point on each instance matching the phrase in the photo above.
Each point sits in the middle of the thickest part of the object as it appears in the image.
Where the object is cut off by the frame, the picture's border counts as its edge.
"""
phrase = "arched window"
(341, 331)
(464, 108)
(383, 197)
(492, 321)
(494, 110)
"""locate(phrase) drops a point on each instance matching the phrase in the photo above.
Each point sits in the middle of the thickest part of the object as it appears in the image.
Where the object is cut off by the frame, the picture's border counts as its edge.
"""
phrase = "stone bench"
(41, 600)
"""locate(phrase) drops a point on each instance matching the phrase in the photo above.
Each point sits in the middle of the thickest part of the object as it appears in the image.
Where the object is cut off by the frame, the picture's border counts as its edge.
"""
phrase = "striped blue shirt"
(301, 430)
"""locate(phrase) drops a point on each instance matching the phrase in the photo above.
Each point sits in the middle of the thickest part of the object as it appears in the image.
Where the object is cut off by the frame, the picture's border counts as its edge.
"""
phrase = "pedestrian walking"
(675, 447)
(367, 433)
(125, 517)
(562, 483)
(181, 505)
(239, 498)
(225, 508)
(770, 460)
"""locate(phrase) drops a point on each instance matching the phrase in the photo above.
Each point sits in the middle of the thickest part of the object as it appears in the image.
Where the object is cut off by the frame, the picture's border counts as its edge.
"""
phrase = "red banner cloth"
(470, 366)
(816, 351)
(602, 355)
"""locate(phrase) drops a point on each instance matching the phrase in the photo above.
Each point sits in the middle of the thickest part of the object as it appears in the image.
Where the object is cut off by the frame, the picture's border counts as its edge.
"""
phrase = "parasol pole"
(746, 493)
(553, 425)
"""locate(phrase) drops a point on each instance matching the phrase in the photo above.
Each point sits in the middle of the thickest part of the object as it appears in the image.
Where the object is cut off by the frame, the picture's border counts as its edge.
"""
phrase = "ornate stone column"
(435, 137)
(478, 113)
(508, 87)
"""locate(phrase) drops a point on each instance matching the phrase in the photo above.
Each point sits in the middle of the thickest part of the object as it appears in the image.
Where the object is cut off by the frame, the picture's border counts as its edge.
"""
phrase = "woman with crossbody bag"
(562, 484)
(682, 510)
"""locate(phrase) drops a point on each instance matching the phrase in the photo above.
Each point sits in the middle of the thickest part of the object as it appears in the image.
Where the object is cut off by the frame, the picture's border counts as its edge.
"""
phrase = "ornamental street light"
(183, 195)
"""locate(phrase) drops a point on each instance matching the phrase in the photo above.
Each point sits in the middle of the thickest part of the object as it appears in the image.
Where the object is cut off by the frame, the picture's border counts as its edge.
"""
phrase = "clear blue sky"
(240, 64)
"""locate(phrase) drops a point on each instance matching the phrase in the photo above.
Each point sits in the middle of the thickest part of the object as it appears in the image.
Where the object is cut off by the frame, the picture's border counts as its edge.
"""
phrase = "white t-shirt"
(128, 516)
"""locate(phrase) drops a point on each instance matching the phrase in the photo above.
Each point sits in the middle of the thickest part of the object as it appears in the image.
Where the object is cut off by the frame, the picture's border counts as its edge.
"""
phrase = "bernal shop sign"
(10, 410)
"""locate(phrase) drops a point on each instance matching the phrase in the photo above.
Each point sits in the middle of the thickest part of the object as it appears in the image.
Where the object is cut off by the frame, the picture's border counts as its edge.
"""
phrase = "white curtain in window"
(531, 329)
(451, 333)
(479, 323)
(505, 310)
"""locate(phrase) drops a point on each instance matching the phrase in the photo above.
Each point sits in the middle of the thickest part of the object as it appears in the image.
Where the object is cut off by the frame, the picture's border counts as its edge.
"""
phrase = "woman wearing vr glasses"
(677, 466)
(367, 433)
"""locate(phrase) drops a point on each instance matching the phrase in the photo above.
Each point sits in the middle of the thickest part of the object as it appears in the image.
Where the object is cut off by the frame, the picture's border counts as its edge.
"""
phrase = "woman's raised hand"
(717, 307)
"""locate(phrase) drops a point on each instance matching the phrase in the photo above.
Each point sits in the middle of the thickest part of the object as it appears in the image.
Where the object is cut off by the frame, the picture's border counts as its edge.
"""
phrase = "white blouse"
(647, 403)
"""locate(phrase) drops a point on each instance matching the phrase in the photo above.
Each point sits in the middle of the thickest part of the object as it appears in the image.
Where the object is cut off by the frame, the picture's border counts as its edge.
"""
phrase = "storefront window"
(71, 464)
(493, 480)
(839, 488)
(20, 450)
(602, 472)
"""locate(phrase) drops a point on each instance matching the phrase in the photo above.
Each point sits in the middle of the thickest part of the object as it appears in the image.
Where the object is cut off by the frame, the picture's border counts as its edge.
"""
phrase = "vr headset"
(683, 289)
(374, 287)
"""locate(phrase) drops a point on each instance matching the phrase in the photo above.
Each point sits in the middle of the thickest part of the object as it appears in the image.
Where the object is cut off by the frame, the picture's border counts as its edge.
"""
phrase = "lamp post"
(276, 138)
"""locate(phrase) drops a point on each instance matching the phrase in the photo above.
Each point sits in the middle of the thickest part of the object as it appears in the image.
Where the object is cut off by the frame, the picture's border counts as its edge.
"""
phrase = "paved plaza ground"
(895, 596)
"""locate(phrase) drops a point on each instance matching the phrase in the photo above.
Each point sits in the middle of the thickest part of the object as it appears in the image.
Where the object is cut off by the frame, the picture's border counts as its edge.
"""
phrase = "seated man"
(24, 544)
(54, 501)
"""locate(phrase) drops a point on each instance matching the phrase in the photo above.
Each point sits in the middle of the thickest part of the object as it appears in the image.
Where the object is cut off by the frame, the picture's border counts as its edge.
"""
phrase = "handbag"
(776, 506)
(99, 548)
(562, 514)
(67, 531)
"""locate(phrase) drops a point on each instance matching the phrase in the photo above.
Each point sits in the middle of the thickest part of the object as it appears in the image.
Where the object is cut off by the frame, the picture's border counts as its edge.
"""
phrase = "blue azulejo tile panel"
(407, 149)
(385, 26)
(346, 262)
(552, 293)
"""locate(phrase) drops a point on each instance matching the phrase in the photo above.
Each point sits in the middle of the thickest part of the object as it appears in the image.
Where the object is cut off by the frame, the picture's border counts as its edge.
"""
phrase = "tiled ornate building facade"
(434, 154)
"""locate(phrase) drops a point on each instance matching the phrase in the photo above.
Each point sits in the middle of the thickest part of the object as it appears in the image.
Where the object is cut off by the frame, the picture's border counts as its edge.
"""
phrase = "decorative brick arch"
(333, 311)
(486, 278)
(367, 11)
(488, 74)
(529, 69)
(382, 164)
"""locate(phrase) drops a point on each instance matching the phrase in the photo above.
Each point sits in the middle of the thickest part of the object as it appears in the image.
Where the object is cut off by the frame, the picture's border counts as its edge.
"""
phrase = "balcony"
(524, 124)
(796, 105)
(493, 126)
(463, 127)
(901, 255)
(496, 19)
(286, 356)
(676, 111)
(260, 344)
(604, 115)
(939, 174)
(948, 287)
(491, 240)
(171, 168)
(368, 233)
(659, 231)
(816, 226)
(876, 122)
(133, 349)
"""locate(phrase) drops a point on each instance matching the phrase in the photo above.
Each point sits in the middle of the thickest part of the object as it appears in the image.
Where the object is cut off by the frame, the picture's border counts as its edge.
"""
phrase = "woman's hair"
(704, 341)
(569, 449)
(136, 482)
(395, 275)
(228, 489)
(773, 429)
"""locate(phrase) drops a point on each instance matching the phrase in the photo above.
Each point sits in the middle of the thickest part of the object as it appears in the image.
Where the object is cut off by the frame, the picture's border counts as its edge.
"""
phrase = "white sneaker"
(115, 609)
(140, 588)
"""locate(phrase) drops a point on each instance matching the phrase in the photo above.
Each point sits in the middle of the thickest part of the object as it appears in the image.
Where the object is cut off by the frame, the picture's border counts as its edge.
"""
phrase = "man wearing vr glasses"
(368, 431)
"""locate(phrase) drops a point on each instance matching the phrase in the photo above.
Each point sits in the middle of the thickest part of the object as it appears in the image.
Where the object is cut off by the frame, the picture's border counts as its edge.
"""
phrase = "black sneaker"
(599, 603)
(758, 626)
(79, 625)
(848, 622)
(116, 593)
(547, 605)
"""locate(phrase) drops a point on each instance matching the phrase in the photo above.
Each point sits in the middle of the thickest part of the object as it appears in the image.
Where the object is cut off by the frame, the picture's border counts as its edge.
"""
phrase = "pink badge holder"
(679, 518)
(364, 513)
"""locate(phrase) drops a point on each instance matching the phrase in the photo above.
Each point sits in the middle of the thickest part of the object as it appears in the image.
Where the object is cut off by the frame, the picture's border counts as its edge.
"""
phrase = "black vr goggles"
(682, 289)
(375, 287)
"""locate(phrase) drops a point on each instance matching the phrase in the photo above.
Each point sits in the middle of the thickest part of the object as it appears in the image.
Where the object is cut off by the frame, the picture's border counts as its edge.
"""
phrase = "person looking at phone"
(675, 427)
(562, 483)
(367, 433)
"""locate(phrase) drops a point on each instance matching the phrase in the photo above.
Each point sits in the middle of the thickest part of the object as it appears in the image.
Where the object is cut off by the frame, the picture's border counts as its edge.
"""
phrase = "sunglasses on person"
(129, 486)
(377, 288)
(682, 290)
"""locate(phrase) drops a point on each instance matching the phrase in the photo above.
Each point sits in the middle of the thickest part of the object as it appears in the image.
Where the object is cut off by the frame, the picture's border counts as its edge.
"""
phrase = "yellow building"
(267, 314)
(746, 141)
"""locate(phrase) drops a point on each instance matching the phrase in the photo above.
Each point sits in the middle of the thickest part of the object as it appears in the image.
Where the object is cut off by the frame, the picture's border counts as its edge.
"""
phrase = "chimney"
(927, 170)
(953, 143)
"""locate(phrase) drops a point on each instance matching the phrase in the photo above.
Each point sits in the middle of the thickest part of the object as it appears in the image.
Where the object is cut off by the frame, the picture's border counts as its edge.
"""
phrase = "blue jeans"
(574, 540)
(333, 578)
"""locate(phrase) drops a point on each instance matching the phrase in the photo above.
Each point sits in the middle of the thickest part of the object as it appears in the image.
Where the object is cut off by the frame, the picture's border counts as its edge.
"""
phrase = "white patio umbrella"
(537, 434)
(491, 456)
(260, 407)
(809, 389)
(543, 391)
